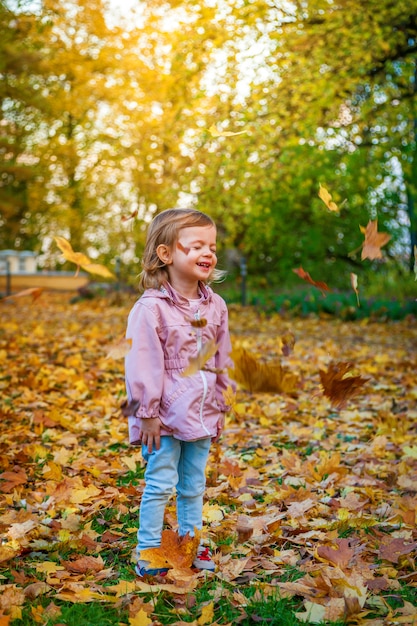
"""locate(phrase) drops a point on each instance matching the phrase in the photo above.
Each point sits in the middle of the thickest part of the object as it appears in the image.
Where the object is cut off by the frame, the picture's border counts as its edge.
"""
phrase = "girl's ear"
(164, 254)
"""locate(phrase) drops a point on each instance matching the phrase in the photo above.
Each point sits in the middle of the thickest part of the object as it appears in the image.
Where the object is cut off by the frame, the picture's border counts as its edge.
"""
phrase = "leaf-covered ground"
(308, 507)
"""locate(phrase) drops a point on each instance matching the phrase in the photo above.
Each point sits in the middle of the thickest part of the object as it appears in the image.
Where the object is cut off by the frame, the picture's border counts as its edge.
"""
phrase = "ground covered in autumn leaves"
(311, 510)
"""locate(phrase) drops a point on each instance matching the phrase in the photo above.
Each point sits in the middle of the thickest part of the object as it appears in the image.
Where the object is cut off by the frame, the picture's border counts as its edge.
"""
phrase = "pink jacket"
(163, 340)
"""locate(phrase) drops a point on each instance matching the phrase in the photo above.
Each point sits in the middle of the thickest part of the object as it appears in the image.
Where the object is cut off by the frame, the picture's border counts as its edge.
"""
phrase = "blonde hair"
(164, 230)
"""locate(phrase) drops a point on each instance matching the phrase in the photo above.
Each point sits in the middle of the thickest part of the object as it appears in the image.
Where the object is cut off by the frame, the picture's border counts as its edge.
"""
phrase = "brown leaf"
(306, 276)
(392, 548)
(340, 555)
(85, 564)
(338, 386)
(373, 241)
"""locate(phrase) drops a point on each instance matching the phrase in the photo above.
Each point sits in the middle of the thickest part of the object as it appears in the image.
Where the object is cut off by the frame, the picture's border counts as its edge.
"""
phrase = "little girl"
(176, 417)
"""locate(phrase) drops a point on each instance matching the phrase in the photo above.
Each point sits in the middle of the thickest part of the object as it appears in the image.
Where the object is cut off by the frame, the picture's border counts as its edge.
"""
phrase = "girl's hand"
(150, 432)
(220, 426)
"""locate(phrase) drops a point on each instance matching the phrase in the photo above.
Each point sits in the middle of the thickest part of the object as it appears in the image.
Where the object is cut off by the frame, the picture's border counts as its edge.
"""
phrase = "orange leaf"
(339, 387)
(373, 241)
(35, 292)
(306, 276)
(174, 552)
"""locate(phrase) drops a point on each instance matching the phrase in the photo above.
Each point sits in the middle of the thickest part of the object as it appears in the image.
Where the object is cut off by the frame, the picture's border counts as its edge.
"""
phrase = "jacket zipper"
(202, 374)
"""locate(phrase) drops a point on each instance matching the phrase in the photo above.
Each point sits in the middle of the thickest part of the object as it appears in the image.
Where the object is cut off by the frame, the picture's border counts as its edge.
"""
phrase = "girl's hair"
(164, 230)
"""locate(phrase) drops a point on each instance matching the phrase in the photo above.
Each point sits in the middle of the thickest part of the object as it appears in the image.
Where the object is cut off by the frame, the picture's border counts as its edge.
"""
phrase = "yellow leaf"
(81, 495)
(98, 269)
(327, 199)
(197, 363)
(48, 567)
(354, 283)
(207, 614)
(140, 619)
(74, 257)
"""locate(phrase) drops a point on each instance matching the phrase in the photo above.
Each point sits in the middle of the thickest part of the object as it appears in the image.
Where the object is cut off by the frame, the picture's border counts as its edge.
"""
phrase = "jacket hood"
(168, 292)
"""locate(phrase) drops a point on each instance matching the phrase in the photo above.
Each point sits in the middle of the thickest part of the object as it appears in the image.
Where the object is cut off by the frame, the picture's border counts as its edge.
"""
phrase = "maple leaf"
(198, 362)
(371, 248)
(174, 552)
(340, 555)
(327, 199)
(306, 276)
(393, 548)
(338, 386)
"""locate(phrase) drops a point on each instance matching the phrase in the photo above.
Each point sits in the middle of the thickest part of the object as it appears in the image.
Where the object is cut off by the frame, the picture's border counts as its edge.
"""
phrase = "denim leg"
(161, 477)
(191, 484)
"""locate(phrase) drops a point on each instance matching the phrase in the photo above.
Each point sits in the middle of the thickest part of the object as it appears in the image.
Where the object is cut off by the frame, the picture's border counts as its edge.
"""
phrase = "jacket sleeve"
(144, 364)
(223, 361)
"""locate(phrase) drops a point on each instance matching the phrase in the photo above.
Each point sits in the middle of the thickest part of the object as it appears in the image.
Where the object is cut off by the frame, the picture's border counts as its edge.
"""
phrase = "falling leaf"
(198, 362)
(119, 349)
(327, 199)
(338, 385)
(98, 270)
(257, 376)
(373, 241)
(354, 283)
(35, 292)
(81, 260)
(224, 133)
(126, 218)
(288, 342)
(130, 408)
(196, 323)
(306, 276)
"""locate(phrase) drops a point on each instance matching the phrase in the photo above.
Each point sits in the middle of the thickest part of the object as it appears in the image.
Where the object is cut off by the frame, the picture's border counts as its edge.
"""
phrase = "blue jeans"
(177, 465)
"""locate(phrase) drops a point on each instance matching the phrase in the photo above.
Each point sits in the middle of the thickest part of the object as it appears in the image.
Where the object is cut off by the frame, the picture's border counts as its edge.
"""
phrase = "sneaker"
(203, 559)
(142, 569)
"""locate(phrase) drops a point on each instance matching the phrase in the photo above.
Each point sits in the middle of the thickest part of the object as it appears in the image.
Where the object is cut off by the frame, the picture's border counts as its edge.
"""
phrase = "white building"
(15, 262)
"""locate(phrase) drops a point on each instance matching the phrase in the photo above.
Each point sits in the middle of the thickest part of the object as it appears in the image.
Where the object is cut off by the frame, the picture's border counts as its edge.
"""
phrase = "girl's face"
(193, 257)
